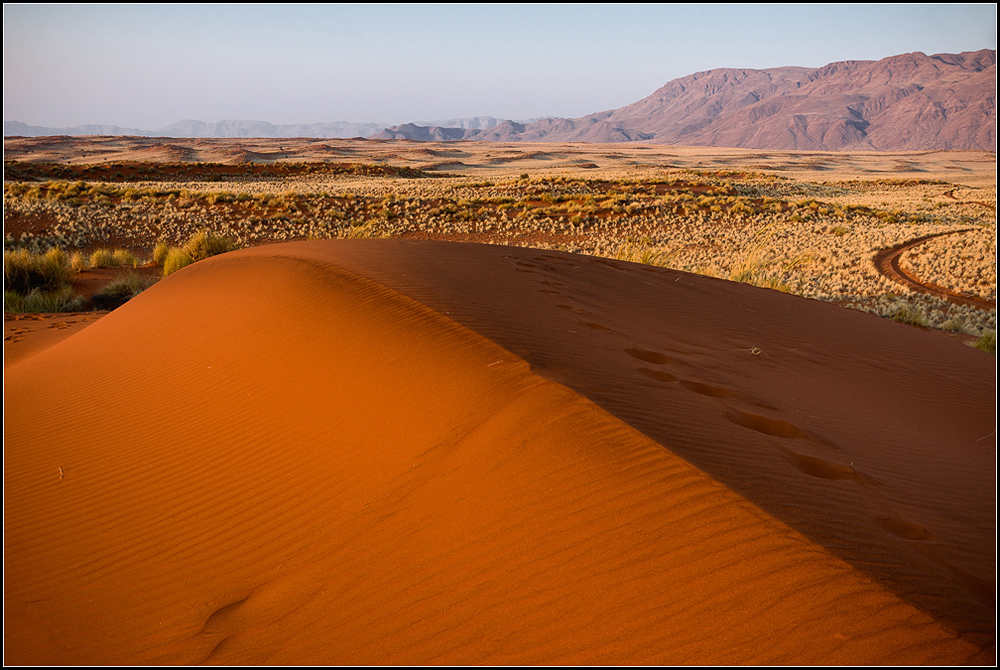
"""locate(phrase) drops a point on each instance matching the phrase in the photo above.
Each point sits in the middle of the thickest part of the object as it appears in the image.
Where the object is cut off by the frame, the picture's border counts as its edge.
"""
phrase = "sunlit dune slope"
(327, 453)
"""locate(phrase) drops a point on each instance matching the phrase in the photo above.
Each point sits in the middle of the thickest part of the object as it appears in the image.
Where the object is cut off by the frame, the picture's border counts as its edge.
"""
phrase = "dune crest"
(349, 453)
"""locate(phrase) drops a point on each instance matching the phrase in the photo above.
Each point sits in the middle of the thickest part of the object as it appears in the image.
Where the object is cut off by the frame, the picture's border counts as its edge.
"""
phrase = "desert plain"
(497, 404)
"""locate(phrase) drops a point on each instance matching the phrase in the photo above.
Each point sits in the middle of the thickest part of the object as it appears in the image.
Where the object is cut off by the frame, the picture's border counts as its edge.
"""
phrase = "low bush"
(121, 290)
(24, 272)
(107, 258)
(37, 301)
(204, 244)
(645, 254)
(78, 262)
(175, 260)
(987, 342)
(124, 258)
(904, 313)
(58, 256)
(160, 252)
(102, 258)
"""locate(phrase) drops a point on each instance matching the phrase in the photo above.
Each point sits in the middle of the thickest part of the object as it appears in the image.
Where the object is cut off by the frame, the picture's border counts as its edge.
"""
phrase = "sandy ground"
(971, 168)
(27, 334)
(400, 452)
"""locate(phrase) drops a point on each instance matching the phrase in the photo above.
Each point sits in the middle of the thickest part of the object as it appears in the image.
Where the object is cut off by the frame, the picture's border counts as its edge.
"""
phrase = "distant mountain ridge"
(906, 102)
(246, 128)
(194, 128)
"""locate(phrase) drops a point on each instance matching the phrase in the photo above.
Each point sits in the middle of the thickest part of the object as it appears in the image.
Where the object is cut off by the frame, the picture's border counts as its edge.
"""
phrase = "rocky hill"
(910, 102)
(906, 102)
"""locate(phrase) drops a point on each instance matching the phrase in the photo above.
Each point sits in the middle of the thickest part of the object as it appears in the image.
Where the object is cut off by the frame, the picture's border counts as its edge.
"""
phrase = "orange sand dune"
(390, 452)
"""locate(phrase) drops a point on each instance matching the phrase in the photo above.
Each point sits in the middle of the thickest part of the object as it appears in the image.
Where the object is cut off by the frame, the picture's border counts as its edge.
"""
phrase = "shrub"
(904, 313)
(987, 342)
(58, 256)
(78, 262)
(24, 272)
(175, 260)
(160, 252)
(37, 301)
(361, 231)
(123, 257)
(121, 290)
(647, 255)
(204, 244)
(102, 258)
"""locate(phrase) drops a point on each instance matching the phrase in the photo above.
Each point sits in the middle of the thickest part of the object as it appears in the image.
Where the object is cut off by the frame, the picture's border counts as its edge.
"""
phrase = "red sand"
(391, 452)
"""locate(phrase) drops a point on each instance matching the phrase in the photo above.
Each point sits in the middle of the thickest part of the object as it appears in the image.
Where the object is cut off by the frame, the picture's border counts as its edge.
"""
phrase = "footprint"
(611, 265)
(903, 529)
(658, 375)
(765, 425)
(225, 619)
(264, 604)
(708, 389)
(818, 467)
(725, 392)
(649, 356)
(558, 259)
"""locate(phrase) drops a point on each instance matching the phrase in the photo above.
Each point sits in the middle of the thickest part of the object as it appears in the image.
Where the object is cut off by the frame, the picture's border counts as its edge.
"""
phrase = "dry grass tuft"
(24, 271)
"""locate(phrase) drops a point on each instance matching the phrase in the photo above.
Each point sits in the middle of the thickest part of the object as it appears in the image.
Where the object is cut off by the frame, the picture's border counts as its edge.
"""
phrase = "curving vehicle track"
(887, 262)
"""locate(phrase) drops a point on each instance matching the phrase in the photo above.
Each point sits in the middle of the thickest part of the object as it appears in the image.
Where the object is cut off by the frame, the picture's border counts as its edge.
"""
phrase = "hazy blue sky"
(145, 66)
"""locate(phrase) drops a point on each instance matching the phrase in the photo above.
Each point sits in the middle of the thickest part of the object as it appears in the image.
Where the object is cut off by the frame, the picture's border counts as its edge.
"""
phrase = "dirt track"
(887, 262)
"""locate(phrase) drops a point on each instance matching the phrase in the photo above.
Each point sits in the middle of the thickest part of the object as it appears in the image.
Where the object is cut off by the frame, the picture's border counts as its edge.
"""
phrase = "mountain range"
(906, 102)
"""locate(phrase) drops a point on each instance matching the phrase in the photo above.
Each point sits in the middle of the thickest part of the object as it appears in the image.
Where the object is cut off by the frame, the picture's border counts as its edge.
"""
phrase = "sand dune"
(399, 452)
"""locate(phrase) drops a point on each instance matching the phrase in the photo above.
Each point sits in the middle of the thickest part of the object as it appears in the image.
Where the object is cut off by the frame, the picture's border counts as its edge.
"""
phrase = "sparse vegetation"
(102, 258)
(123, 258)
(25, 271)
(78, 262)
(199, 246)
(160, 252)
(905, 313)
(645, 252)
(820, 236)
(175, 260)
(204, 244)
(987, 342)
(38, 301)
(121, 290)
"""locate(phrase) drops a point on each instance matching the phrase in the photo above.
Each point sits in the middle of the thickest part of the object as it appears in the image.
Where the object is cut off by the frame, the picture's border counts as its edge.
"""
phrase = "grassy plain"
(399, 452)
(808, 223)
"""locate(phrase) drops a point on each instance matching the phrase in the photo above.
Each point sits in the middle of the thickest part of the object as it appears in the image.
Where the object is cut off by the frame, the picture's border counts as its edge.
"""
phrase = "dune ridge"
(385, 452)
(892, 423)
